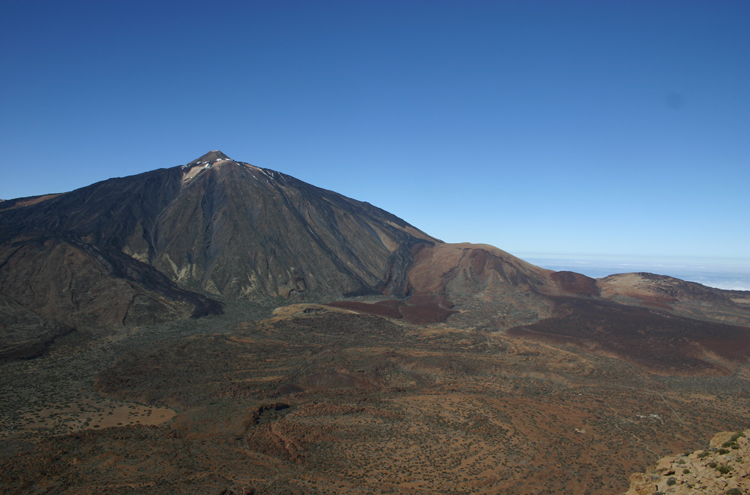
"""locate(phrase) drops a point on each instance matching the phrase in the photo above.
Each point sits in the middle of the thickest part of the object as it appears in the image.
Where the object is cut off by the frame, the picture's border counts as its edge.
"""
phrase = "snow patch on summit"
(207, 161)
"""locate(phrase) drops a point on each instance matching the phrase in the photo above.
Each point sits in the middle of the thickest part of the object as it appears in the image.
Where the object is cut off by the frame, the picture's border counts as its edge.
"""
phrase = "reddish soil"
(654, 340)
(425, 314)
(389, 310)
(391, 303)
(732, 344)
(471, 268)
(575, 283)
(430, 300)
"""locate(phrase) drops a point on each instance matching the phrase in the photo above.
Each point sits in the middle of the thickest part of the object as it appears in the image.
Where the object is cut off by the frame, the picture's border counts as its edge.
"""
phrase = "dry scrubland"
(323, 400)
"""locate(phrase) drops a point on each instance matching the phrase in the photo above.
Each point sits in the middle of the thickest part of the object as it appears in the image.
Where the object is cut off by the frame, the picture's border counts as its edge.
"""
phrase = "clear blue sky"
(610, 128)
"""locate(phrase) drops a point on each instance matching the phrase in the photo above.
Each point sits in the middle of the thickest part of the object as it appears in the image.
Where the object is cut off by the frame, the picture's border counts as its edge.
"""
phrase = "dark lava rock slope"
(148, 248)
(241, 231)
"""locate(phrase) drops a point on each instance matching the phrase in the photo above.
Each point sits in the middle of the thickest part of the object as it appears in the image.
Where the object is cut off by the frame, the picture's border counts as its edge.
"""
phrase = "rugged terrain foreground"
(724, 467)
(320, 400)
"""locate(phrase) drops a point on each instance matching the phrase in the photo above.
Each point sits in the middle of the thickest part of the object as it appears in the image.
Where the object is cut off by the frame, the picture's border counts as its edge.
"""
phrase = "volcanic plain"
(318, 399)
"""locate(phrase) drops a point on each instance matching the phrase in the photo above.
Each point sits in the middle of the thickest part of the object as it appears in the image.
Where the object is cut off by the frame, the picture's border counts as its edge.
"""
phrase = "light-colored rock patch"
(723, 468)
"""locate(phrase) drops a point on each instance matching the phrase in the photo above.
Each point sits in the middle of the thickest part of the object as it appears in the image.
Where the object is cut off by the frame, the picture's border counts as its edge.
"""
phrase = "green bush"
(685, 471)
(671, 481)
(733, 491)
(724, 469)
(712, 465)
(737, 435)
(723, 451)
(703, 454)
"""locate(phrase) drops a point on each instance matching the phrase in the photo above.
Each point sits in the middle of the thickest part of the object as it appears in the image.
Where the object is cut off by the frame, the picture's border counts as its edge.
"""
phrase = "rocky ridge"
(723, 468)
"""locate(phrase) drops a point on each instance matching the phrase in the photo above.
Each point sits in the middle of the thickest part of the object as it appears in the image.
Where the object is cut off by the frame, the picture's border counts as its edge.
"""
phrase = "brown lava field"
(316, 399)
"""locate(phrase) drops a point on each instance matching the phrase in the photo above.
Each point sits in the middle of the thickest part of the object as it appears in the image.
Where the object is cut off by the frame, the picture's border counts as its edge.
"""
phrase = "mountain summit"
(243, 231)
(208, 159)
(150, 247)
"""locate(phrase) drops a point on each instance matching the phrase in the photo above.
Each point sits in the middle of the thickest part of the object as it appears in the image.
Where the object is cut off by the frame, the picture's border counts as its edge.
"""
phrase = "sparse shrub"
(658, 493)
(685, 471)
(724, 469)
(723, 451)
(733, 491)
(712, 465)
(703, 454)
(671, 481)
(737, 435)
(681, 461)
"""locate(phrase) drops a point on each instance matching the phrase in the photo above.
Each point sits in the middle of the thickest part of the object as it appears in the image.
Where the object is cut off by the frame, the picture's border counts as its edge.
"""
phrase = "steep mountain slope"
(242, 231)
(142, 249)
(52, 286)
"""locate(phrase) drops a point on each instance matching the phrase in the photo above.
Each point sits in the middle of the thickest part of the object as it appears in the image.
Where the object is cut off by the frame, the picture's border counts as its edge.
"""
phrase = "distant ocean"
(733, 274)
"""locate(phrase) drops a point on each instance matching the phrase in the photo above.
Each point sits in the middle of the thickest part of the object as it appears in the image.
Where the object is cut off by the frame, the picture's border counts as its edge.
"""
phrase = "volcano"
(179, 242)
(161, 245)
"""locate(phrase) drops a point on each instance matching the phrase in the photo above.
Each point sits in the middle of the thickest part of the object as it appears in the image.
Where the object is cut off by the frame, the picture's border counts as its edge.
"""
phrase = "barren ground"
(329, 401)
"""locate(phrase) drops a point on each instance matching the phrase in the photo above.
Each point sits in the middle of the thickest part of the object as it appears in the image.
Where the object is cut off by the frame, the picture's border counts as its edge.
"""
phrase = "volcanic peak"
(205, 162)
(208, 159)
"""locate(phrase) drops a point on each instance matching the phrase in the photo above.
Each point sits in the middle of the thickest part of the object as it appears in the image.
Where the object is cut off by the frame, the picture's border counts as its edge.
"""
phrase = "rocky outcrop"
(723, 468)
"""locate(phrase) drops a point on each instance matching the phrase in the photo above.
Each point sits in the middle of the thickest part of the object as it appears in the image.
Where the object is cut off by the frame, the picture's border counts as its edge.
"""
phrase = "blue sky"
(546, 128)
